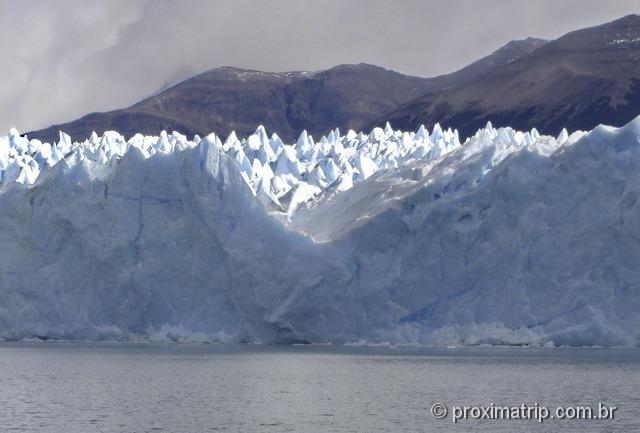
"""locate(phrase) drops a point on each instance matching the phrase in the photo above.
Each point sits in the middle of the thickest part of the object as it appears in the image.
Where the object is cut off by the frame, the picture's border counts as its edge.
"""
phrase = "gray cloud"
(65, 58)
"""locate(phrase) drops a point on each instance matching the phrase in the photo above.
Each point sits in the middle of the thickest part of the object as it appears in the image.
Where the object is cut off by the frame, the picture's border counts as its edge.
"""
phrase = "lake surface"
(110, 387)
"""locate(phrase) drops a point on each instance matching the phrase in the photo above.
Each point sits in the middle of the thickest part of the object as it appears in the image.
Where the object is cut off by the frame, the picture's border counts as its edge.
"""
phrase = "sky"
(63, 59)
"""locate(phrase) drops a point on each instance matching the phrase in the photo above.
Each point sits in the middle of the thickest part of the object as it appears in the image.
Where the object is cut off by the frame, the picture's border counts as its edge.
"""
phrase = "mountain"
(227, 99)
(402, 237)
(577, 81)
(500, 57)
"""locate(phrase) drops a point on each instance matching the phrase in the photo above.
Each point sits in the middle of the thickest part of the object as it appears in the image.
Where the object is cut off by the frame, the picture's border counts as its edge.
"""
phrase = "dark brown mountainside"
(226, 99)
(584, 78)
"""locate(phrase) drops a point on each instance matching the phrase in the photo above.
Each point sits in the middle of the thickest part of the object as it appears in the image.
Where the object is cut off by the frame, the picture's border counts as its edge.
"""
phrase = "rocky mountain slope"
(577, 81)
(230, 99)
(584, 78)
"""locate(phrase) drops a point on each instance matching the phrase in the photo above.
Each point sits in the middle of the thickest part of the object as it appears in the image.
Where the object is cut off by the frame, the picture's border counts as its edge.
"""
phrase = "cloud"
(67, 58)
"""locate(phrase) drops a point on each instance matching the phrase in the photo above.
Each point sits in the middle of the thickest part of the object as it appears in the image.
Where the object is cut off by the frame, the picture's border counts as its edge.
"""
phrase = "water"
(58, 387)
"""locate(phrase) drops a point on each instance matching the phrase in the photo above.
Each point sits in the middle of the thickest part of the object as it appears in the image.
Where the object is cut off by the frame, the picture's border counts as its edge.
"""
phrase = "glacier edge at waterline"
(506, 238)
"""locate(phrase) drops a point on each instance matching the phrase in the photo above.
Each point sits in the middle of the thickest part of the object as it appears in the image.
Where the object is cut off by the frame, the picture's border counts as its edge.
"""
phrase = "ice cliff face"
(509, 237)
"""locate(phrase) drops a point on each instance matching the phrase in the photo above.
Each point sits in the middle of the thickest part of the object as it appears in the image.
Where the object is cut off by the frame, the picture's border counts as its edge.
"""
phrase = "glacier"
(507, 237)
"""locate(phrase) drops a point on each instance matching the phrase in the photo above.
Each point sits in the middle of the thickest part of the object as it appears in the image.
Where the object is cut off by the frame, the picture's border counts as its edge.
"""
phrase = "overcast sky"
(62, 59)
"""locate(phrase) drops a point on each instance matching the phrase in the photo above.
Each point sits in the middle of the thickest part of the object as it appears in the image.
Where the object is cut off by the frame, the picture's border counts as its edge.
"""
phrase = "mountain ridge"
(229, 98)
(584, 78)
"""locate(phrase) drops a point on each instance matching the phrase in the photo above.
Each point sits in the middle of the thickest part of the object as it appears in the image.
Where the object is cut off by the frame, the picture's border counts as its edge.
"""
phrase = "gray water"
(62, 387)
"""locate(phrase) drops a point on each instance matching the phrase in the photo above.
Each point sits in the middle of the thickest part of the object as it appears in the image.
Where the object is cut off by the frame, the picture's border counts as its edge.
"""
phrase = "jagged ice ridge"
(287, 175)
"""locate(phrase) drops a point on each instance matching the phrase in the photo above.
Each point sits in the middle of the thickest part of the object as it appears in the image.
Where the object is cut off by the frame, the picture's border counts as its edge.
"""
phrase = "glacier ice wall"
(507, 238)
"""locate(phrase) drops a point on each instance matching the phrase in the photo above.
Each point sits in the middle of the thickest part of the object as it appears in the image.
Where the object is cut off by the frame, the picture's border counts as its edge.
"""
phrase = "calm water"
(57, 387)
